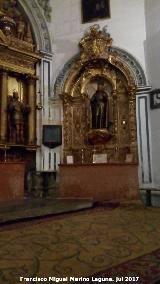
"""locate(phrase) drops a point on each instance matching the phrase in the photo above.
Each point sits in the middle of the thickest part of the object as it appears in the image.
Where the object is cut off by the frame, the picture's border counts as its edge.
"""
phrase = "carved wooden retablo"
(103, 121)
(18, 58)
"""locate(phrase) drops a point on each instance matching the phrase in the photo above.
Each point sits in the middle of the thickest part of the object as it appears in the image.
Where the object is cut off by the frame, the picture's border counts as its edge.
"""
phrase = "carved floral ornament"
(95, 43)
(45, 5)
(96, 60)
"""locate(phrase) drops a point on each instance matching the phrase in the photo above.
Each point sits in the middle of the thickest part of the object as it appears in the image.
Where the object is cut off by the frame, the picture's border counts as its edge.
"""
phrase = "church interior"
(79, 141)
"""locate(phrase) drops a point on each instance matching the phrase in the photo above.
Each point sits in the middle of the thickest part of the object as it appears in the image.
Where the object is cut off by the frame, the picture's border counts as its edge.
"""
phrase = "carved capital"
(66, 98)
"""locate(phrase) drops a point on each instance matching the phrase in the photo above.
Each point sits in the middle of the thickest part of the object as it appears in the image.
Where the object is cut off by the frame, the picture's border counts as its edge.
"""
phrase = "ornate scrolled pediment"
(95, 43)
(96, 59)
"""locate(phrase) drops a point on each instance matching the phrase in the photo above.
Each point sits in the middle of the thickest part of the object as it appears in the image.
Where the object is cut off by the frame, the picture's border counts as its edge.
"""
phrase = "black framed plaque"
(52, 135)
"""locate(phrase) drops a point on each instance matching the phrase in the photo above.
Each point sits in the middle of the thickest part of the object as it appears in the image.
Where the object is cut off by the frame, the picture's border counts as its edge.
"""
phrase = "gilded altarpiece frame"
(98, 63)
(18, 59)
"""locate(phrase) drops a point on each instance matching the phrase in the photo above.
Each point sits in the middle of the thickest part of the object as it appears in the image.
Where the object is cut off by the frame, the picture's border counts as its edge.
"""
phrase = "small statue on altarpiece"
(21, 29)
(99, 108)
(17, 119)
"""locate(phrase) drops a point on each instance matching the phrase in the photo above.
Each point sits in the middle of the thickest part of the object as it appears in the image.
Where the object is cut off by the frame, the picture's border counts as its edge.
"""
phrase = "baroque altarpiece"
(18, 58)
(99, 103)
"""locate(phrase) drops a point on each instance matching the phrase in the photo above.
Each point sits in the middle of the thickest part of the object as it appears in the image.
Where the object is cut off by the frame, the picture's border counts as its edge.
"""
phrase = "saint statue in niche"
(17, 117)
(99, 108)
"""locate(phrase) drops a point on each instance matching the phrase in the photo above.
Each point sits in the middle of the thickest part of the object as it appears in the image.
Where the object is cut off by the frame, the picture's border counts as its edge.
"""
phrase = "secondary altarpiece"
(99, 103)
(18, 59)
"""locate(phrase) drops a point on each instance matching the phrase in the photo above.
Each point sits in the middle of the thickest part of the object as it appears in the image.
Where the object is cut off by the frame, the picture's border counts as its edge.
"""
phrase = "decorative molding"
(38, 23)
(45, 5)
(133, 64)
(58, 86)
(143, 89)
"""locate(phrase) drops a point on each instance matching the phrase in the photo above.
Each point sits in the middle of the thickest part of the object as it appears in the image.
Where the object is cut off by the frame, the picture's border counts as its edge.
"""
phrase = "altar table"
(109, 181)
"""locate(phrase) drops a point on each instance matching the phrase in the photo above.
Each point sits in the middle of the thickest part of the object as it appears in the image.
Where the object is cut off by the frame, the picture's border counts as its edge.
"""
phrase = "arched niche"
(128, 59)
(98, 61)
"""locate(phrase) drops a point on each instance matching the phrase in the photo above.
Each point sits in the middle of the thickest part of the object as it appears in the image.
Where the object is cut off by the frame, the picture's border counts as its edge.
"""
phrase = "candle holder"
(93, 159)
(5, 153)
(116, 152)
(82, 156)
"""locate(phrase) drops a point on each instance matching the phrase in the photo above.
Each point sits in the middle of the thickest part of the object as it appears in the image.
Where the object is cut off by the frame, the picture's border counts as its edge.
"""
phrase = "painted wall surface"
(152, 54)
(152, 43)
(126, 26)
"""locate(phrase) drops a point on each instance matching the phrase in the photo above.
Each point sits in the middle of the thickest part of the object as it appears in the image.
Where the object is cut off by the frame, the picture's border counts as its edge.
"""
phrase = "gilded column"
(3, 113)
(32, 114)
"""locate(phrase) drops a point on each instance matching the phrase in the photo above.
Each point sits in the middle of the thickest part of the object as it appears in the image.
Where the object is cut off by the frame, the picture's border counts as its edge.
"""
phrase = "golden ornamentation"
(17, 56)
(7, 25)
(98, 62)
(98, 136)
(18, 59)
(95, 43)
(20, 44)
(13, 21)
